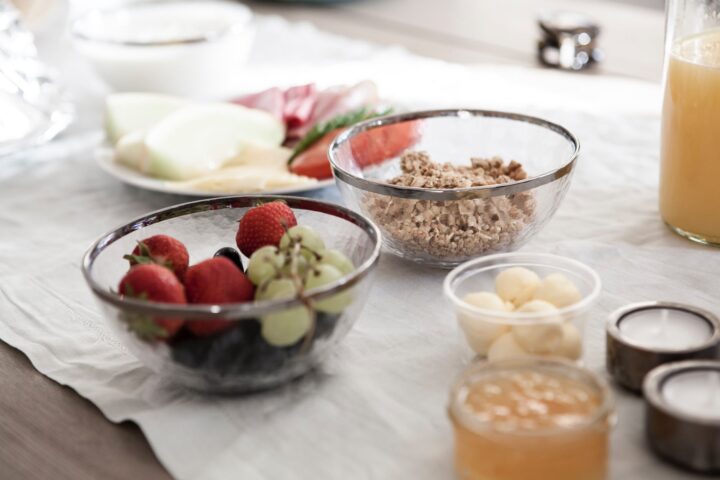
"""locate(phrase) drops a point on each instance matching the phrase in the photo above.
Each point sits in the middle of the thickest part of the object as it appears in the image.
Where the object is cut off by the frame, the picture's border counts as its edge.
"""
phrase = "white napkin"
(376, 408)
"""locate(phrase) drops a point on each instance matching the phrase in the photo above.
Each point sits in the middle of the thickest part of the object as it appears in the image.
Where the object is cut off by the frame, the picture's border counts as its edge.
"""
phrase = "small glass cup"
(509, 334)
(502, 433)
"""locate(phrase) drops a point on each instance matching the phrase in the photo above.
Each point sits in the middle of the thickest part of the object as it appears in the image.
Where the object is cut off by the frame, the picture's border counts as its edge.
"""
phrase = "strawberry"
(215, 281)
(162, 250)
(264, 225)
(158, 284)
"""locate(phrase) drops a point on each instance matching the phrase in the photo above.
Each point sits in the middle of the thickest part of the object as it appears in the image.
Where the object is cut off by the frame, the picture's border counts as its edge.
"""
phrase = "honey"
(530, 419)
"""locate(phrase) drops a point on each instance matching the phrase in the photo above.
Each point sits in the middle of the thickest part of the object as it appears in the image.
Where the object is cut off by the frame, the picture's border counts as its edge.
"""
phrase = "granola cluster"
(453, 228)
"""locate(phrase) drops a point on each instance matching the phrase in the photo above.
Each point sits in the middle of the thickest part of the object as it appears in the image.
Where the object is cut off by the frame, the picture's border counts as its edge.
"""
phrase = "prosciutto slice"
(302, 107)
(299, 105)
(334, 101)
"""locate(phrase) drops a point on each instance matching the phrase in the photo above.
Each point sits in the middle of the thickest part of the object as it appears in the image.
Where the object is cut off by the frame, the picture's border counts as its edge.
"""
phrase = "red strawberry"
(215, 281)
(264, 225)
(162, 250)
(158, 284)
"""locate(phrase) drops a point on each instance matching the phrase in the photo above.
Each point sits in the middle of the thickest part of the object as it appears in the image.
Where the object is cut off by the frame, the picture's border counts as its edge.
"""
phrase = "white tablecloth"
(376, 408)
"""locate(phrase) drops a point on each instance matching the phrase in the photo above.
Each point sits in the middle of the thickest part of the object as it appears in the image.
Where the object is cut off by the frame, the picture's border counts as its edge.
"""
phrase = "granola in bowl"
(443, 214)
(452, 230)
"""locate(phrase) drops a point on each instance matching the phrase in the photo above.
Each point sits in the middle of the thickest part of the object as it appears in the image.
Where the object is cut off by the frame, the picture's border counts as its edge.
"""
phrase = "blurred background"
(465, 31)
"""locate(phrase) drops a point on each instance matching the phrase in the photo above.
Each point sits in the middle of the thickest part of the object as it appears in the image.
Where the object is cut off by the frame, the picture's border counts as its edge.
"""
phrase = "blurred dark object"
(569, 41)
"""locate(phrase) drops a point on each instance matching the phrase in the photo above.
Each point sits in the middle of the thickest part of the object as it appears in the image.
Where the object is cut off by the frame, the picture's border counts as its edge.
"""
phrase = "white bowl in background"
(181, 47)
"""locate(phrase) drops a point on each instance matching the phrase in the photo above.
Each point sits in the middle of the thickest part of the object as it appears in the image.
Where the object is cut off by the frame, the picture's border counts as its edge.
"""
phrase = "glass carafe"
(690, 150)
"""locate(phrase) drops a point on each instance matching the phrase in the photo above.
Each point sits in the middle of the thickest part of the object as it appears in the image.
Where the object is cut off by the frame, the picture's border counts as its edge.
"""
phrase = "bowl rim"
(232, 311)
(485, 191)
(522, 318)
(207, 37)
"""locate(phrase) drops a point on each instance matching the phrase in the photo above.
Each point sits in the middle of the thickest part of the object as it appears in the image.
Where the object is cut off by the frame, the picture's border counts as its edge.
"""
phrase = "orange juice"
(530, 422)
(690, 173)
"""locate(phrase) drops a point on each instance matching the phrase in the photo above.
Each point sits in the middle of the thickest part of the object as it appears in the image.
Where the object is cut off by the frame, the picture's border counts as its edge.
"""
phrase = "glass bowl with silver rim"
(445, 186)
(238, 358)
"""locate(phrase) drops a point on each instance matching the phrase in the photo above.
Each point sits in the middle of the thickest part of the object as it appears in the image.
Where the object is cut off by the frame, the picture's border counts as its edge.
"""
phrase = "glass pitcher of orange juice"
(690, 148)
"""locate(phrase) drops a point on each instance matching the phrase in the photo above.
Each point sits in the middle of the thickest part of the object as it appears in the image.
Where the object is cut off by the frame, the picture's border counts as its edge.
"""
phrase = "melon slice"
(137, 112)
(202, 138)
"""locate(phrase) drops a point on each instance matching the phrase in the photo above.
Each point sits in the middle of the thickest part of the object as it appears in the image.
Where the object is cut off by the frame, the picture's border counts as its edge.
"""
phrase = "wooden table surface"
(48, 431)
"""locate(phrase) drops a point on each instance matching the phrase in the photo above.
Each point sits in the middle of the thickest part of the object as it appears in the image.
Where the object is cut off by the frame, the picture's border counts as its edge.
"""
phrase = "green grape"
(323, 274)
(307, 237)
(264, 264)
(277, 289)
(338, 260)
(310, 257)
(285, 328)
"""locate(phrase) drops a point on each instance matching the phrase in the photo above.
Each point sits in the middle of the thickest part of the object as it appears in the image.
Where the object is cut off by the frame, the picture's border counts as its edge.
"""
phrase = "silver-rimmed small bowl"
(236, 359)
(682, 413)
(184, 47)
(447, 226)
(629, 360)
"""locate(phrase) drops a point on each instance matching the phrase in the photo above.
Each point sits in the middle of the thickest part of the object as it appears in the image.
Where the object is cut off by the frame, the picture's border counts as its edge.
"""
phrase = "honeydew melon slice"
(200, 139)
(137, 112)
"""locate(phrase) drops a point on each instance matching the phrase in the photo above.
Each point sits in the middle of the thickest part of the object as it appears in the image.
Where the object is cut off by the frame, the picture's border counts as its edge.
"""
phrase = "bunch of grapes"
(299, 264)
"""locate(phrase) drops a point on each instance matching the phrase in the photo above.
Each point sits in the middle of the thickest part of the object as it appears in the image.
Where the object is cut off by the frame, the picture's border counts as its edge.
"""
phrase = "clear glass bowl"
(501, 335)
(236, 359)
(446, 226)
(34, 106)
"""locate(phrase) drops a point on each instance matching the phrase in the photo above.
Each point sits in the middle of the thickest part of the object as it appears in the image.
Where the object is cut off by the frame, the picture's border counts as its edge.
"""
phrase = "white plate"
(104, 158)
(452, 86)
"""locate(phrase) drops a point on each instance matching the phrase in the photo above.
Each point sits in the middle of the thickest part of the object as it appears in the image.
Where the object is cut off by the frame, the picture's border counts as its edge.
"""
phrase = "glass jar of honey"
(531, 418)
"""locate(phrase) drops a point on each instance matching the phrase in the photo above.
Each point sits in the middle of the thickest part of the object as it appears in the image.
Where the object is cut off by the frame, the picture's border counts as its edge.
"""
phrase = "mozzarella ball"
(485, 300)
(537, 306)
(479, 332)
(571, 346)
(516, 285)
(505, 347)
(557, 289)
(539, 338)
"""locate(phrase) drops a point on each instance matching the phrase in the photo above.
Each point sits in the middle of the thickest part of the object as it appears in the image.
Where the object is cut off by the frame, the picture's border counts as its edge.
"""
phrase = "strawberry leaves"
(145, 327)
(145, 257)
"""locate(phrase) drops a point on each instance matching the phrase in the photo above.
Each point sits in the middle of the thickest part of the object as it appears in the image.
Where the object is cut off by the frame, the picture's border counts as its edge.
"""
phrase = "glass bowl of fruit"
(516, 305)
(210, 316)
(445, 186)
